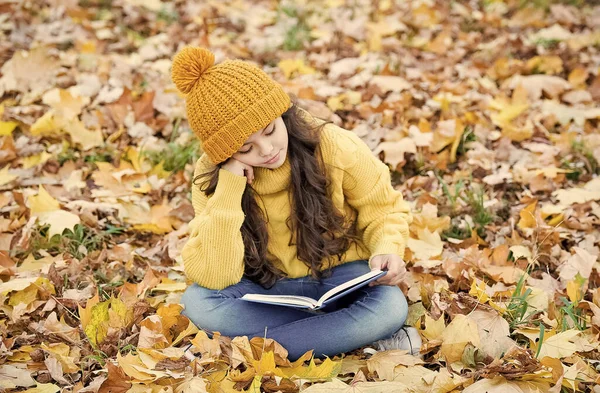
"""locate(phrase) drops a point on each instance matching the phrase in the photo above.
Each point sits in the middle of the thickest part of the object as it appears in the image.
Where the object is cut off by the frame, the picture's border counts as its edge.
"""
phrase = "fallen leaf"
(385, 363)
(364, 387)
(457, 335)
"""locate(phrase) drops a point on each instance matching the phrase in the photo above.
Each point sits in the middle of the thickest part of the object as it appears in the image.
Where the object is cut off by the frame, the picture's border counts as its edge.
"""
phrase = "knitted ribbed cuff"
(229, 191)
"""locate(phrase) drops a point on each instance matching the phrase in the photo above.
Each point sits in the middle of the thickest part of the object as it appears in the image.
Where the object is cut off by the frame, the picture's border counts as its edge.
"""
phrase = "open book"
(314, 304)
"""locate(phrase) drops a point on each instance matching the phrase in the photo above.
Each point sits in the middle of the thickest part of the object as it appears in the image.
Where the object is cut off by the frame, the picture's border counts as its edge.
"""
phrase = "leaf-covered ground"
(486, 111)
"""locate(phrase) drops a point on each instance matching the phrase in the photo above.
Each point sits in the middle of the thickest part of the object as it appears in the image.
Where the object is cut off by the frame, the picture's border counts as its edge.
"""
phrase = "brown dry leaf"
(14, 377)
(554, 86)
(493, 333)
(427, 246)
(151, 333)
(44, 388)
(207, 346)
(364, 387)
(501, 385)
(558, 345)
(30, 72)
(193, 385)
(241, 351)
(494, 93)
(395, 151)
(580, 263)
(461, 331)
(428, 218)
(261, 345)
(384, 363)
(116, 382)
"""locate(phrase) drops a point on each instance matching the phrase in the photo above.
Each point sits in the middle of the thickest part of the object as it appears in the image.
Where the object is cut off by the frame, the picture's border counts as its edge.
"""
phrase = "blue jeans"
(359, 318)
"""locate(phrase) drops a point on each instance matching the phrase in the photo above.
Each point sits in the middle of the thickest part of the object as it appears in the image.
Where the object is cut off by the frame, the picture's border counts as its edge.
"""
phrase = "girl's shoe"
(406, 338)
(188, 354)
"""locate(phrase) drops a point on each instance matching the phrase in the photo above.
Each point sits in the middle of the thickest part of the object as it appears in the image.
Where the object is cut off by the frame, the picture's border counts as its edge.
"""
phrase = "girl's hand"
(395, 266)
(239, 168)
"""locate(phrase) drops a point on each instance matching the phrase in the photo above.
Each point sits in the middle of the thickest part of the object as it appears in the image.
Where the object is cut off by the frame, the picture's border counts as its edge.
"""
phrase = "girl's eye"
(248, 151)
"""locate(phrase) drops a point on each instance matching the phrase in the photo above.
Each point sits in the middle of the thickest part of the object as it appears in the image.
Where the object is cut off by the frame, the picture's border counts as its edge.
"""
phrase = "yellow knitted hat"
(227, 102)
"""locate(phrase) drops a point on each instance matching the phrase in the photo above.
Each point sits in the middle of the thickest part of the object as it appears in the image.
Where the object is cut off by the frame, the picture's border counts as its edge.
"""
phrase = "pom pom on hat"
(189, 65)
(226, 102)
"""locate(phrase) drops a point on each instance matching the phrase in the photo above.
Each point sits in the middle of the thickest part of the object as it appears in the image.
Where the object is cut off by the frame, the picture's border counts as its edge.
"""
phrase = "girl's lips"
(272, 160)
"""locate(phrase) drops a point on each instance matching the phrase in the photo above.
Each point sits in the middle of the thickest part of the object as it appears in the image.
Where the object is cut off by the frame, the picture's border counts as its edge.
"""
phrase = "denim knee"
(394, 309)
(198, 302)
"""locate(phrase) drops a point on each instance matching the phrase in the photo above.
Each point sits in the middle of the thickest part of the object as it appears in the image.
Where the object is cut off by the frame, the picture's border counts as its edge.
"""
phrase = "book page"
(282, 299)
(347, 284)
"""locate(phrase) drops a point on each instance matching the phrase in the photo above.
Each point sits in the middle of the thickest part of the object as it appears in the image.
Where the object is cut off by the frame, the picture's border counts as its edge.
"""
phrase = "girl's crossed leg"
(357, 319)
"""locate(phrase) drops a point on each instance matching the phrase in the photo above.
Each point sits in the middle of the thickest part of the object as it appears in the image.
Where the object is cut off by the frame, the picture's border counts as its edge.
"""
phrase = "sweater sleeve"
(383, 214)
(213, 256)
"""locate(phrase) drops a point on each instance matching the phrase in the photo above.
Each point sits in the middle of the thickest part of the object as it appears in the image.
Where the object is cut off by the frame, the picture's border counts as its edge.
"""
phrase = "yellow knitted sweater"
(361, 188)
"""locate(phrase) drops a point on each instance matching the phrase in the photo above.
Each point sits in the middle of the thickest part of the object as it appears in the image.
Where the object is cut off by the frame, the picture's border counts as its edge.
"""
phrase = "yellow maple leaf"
(65, 103)
(574, 288)
(133, 155)
(169, 285)
(344, 100)
(545, 64)
(62, 352)
(6, 177)
(478, 291)
(110, 313)
(48, 211)
(255, 386)
(59, 220)
(85, 314)
(159, 170)
(30, 293)
(291, 66)
(46, 125)
(325, 371)
(266, 365)
(433, 329)
(135, 368)
(42, 202)
(25, 296)
(7, 127)
(528, 218)
(508, 113)
(97, 328)
(425, 16)
(119, 314)
(36, 159)
(80, 135)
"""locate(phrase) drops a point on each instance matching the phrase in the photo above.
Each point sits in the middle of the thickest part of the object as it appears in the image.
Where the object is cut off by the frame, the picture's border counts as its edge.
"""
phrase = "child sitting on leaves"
(287, 204)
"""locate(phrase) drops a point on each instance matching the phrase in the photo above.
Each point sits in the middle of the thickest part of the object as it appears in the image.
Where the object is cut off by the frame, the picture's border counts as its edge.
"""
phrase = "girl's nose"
(266, 149)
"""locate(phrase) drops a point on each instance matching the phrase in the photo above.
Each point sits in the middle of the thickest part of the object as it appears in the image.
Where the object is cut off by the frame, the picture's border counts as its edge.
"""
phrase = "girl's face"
(265, 148)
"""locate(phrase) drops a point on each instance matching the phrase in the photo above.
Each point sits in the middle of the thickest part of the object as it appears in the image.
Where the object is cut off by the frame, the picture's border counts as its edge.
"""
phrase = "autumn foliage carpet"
(486, 112)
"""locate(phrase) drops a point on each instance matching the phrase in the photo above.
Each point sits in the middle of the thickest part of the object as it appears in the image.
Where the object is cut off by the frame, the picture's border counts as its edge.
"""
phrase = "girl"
(287, 204)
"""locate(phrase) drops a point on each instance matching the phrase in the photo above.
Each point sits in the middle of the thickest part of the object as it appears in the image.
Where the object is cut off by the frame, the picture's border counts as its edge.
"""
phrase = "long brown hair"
(318, 228)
